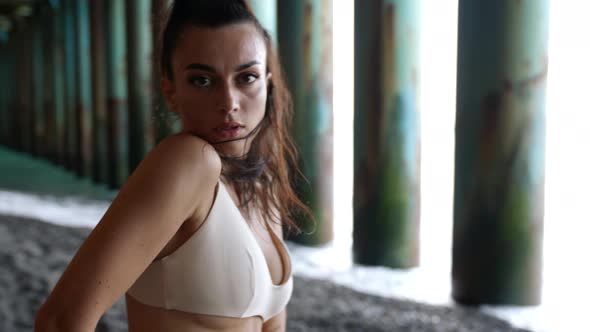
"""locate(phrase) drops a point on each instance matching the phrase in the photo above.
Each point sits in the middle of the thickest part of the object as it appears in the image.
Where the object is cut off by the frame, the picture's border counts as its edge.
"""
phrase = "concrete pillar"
(4, 92)
(38, 119)
(305, 45)
(140, 85)
(58, 64)
(72, 138)
(47, 142)
(84, 90)
(23, 129)
(386, 195)
(117, 96)
(499, 154)
(98, 22)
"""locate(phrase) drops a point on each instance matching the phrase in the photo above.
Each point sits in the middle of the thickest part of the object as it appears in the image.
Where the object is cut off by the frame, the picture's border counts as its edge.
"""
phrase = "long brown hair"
(266, 174)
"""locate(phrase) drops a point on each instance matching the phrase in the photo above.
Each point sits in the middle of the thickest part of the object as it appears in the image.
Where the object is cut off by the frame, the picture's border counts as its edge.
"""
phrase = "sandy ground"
(33, 254)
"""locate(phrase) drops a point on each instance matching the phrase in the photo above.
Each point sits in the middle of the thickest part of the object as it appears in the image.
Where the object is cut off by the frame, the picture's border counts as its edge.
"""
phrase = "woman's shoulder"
(190, 149)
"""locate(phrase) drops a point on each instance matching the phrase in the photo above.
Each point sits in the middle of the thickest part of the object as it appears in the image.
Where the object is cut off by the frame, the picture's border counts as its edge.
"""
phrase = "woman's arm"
(176, 177)
(276, 324)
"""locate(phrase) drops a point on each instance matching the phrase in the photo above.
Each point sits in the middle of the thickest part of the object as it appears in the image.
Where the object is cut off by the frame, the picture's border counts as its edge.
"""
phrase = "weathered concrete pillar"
(84, 88)
(499, 154)
(24, 124)
(305, 42)
(38, 120)
(46, 142)
(266, 12)
(46, 145)
(11, 69)
(58, 64)
(118, 140)
(70, 87)
(140, 85)
(4, 58)
(386, 134)
(13, 88)
(6, 76)
(98, 22)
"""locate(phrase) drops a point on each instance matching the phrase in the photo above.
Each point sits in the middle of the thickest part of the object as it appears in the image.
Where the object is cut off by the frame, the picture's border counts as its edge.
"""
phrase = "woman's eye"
(200, 81)
(248, 78)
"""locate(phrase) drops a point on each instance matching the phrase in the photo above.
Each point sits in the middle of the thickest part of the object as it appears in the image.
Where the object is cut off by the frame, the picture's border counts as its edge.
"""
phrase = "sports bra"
(220, 270)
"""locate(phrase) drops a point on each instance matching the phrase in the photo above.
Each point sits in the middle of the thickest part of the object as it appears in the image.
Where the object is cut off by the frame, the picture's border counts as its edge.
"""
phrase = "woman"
(194, 238)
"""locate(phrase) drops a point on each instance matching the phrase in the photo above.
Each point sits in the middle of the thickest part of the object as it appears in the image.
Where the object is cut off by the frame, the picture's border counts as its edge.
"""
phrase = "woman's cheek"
(256, 96)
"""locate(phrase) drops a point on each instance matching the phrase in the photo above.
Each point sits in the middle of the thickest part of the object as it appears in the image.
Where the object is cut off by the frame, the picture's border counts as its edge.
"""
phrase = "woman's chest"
(255, 235)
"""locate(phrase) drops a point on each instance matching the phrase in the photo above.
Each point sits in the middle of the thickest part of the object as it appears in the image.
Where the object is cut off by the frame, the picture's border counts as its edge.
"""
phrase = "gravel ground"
(33, 255)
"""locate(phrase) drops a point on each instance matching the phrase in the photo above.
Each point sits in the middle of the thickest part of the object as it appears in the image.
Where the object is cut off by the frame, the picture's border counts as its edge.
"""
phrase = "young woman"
(194, 238)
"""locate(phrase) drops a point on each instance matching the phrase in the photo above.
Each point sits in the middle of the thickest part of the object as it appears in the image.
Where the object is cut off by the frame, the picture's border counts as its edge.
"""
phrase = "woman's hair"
(272, 158)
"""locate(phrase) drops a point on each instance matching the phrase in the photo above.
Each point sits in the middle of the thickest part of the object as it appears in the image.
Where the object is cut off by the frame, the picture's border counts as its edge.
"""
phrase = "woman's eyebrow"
(246, 65)
(200, 67)
(212, 70)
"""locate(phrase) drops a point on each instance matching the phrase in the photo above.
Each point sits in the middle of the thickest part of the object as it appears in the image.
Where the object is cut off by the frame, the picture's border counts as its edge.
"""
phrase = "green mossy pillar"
(72, 140)
(6, 76)
(98, 22)
(117, 95)
(305, 46)
(499, 154)
(386, 195)
(58, 84)
(24, 125)
(38, 123)
(140, 84)
(46, 145)
(84, 83)
(4, 59)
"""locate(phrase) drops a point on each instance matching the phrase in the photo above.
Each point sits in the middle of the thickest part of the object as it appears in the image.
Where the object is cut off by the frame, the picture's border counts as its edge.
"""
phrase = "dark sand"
(33, 255)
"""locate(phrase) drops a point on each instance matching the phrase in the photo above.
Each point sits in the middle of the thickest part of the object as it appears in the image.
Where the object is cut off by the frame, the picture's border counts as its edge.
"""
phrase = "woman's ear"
(169, 93)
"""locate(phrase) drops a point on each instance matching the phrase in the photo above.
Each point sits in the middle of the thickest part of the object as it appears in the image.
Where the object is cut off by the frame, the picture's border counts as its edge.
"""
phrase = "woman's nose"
(228, 102)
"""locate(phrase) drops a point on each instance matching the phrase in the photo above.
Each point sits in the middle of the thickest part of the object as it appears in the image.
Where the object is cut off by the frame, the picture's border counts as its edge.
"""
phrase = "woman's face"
(220, 84)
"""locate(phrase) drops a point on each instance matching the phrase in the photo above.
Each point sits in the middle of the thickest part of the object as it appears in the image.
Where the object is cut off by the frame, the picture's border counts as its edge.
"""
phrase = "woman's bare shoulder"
(186, 162)
(186, 147)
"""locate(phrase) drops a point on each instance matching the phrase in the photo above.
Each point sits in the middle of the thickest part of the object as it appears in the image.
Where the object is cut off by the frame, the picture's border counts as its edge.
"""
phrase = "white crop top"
(220, 270)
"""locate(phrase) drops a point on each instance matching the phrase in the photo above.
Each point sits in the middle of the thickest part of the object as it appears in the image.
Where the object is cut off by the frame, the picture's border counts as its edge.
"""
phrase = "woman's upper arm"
(278, 323)
(174, 179)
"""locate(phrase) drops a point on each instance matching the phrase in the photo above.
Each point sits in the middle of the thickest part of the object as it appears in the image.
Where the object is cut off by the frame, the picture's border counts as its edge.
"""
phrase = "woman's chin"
(231, 149)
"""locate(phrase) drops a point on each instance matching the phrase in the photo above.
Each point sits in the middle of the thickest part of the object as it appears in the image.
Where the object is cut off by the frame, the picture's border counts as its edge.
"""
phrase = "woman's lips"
(229, 131)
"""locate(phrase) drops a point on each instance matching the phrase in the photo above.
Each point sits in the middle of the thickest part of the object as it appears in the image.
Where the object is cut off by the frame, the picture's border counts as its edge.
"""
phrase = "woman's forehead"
(229, 45)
